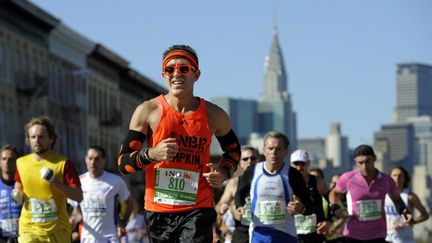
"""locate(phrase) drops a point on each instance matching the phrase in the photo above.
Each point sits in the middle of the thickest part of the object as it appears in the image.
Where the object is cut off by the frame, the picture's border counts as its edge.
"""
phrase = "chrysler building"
(275, 107)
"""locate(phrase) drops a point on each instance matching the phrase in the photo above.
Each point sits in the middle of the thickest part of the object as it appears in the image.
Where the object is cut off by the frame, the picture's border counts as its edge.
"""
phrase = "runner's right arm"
(134, 154)
(227, 197)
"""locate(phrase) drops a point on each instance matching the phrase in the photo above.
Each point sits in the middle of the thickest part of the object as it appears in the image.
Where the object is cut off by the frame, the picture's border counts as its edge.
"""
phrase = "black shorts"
(182, 227)
(240, 234)
(8, 240)
(310, 238)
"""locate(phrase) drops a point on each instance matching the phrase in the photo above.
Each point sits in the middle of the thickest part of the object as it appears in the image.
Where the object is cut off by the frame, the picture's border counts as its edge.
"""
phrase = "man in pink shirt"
(365, 188)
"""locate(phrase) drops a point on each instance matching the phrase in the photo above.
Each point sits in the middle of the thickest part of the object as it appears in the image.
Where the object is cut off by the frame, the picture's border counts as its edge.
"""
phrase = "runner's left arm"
(415, 202)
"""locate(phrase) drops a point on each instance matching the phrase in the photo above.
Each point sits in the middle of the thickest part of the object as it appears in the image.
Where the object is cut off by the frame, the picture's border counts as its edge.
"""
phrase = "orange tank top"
(178, 185)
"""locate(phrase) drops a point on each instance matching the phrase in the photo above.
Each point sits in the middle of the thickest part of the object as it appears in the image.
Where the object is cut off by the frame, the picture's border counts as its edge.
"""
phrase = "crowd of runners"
(245, 197)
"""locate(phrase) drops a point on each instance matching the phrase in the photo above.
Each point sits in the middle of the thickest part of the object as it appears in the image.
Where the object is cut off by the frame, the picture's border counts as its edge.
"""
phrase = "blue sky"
(340, 55)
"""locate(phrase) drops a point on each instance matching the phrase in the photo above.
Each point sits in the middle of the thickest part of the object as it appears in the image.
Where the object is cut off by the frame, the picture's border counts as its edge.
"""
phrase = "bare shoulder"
(214, 109)
(219, 120)
(149, 105)
(145, 114)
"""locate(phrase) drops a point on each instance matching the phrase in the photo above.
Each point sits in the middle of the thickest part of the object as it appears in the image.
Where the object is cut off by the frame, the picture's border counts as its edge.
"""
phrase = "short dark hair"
(99, 149)
(364, 150)
(277, 135)
(185, 48)
(251, 148)
(11, 148)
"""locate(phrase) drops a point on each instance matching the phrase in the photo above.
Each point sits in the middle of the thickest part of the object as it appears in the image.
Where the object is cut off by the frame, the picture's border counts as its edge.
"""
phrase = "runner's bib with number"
(305, 224)
(9, 227)
(43, 211)
(271, 212)
(176, 186)
(369, 210)
(94, 205)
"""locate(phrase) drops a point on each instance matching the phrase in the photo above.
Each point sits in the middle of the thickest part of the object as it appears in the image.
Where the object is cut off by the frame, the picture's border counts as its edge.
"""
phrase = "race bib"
(9, 227)
(305, 224)
(271, 212)
(43, 211)
(369, 210)
(247, 216)
(176, 186)
(94, 205)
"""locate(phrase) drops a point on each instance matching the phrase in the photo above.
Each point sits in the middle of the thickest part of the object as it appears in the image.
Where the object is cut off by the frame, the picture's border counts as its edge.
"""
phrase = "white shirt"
(99, 206)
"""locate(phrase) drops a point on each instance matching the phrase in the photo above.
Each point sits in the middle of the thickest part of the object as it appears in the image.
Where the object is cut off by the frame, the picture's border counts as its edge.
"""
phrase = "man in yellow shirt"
(44, 181)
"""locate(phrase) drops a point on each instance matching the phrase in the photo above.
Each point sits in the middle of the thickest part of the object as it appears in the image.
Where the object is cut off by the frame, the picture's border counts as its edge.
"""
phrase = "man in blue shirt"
(9, 209)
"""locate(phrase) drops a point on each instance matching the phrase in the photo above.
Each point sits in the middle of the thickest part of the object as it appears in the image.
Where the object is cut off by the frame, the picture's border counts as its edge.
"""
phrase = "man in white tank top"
(270, 192)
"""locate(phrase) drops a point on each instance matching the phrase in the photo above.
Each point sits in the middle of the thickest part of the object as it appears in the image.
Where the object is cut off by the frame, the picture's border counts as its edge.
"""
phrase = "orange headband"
(180, 53)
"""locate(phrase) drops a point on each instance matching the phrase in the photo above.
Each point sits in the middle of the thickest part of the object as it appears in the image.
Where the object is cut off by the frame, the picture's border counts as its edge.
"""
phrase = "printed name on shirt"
(190, 148)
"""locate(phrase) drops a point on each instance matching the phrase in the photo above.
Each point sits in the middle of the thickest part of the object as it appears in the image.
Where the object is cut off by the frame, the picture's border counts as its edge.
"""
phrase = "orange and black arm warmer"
(231, 152)
(132, 153)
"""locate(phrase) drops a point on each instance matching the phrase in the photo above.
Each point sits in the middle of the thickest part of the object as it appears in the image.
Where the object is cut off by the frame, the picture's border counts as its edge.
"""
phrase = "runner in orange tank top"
(169, 138)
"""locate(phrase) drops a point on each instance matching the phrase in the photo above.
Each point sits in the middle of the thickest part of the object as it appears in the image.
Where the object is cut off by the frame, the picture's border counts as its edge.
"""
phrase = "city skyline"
(340, 57)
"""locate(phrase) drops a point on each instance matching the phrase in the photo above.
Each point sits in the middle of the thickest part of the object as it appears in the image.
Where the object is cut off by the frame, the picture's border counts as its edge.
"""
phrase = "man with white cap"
(312, 224)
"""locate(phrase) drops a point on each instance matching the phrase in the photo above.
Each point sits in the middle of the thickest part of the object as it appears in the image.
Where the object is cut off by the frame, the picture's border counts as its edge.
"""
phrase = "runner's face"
(301, 166)
(180, 83)
(8, 161)
(95, 163)
(40, 142)
(398, 176)
(321, 185)
(248, 157)
(366, 165)
(274, 151)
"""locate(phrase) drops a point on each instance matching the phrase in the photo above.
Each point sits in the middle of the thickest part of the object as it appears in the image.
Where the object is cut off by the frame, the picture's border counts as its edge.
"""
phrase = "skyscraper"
(337, 148)
(423, 141)
(414, 89)
(273, 111)
(316, 147)
(275, 108)
(243, 114)
(400, 139)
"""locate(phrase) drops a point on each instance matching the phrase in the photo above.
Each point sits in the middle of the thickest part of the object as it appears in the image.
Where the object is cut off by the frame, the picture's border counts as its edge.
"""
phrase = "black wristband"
(143, 155)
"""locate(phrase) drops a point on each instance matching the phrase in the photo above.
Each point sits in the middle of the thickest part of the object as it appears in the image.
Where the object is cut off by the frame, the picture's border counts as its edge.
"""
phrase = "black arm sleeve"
(243, 187)
(130, 158)
(231, 152)
(299, 187)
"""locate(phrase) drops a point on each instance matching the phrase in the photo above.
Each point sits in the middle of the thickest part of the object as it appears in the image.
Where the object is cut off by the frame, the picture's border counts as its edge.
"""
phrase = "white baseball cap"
(299, 156)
